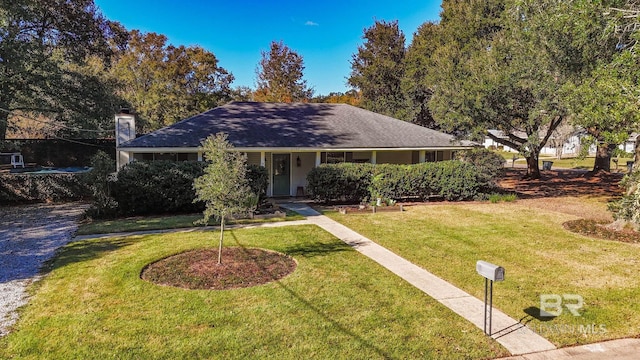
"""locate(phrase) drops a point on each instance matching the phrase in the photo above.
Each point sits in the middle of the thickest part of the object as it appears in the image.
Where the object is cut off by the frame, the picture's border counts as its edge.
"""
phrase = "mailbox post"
(491, 273)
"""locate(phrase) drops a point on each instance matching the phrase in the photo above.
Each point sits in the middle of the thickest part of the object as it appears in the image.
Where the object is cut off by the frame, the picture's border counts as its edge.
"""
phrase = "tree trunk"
(603, 157)
(559, 152)
(221, 238)
(636, 154)
(4, 122)
(533, 166)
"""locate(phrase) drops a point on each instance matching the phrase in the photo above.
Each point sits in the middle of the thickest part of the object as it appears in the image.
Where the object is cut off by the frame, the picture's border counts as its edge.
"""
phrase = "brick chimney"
(125, 131)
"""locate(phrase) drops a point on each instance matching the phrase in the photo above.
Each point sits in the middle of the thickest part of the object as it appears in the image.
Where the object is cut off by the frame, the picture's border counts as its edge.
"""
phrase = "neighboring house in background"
(570, 147)
(290, 139)
(629, 146)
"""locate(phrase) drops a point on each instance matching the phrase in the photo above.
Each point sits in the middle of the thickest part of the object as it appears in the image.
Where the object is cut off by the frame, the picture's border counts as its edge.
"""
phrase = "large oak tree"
(510, 70)
(164, 83)
(44, 46)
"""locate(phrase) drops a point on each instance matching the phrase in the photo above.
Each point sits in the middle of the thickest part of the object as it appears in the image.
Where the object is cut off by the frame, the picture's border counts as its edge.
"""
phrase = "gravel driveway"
(29, 235)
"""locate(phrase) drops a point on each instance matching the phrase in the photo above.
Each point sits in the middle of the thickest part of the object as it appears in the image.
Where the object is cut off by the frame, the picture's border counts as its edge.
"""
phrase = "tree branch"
(503, 141)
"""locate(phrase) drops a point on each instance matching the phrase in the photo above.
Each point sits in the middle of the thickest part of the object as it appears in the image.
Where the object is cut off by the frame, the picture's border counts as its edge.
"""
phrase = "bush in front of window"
(345, 182)
(165, 186)
(349, 182)
(157, 187)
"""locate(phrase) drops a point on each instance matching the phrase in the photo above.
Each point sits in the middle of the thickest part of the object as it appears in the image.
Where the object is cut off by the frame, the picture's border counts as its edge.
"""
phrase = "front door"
(281, 174)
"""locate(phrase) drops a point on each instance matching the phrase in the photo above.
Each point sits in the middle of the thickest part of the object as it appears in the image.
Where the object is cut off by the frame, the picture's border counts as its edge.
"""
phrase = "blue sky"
(326, 33)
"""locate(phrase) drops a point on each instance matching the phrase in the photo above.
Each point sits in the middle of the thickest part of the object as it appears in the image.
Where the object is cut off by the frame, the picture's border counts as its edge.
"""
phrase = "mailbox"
(490, 271)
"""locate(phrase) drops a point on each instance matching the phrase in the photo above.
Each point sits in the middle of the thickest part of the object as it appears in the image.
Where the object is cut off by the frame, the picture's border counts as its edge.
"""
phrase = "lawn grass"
(161, 223)
(338, 304)
(538, 254)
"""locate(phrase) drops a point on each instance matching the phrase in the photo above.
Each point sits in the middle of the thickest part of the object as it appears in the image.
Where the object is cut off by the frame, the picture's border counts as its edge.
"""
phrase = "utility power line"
(59, 125)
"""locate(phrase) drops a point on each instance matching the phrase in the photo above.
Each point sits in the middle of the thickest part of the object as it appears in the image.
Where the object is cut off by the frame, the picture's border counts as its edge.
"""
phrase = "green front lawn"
(336, 305)
(538, 254)
(140, 223)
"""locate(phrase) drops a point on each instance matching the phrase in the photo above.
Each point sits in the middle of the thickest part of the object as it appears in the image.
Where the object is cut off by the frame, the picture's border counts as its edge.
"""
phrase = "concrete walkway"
(510, 333)
(621, 349)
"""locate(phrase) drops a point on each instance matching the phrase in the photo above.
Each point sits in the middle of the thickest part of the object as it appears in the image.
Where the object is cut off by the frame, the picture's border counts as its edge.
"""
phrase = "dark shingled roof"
(296, 125)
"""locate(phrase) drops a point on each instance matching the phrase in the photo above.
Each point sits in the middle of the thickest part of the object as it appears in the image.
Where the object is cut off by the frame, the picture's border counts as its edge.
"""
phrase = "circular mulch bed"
(598, 229)
(199, 269)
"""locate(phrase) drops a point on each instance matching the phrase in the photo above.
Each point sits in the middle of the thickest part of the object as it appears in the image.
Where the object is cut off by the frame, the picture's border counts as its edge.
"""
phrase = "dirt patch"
(591, 208)
(575, 192)
(598, 229)
(240, 268)
(555, 183)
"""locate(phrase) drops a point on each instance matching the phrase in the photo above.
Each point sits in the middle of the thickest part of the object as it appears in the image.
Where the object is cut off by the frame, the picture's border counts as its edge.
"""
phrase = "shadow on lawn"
(317, 250)
(81, 251)
(313, 250)
(538, 314)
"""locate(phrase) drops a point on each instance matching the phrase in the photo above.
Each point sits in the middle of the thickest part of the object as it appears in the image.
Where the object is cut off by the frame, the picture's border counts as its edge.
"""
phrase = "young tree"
(279, 76)
(377, 68)
(223, 187)
(40, 43)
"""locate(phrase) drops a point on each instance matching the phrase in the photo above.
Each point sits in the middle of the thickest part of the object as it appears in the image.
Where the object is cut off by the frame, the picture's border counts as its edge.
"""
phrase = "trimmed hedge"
(489, 164)
(165, 186)
(30, 188)
(451, 180)
(342, 182)
(258, 178)
(156, 187)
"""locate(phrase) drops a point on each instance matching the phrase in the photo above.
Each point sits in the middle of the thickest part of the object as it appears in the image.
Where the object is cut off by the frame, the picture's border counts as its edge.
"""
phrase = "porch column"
(199, 155)
(422, 156)
(374, 155)
(318, 158)
(263, 158)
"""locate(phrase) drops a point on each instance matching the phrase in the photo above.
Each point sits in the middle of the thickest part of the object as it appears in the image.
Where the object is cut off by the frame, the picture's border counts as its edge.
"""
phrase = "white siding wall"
(299, 174)
(253, 158)
(362, 155)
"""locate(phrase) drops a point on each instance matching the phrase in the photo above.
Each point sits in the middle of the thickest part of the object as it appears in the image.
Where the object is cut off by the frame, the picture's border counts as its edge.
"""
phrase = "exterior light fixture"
(298, 162)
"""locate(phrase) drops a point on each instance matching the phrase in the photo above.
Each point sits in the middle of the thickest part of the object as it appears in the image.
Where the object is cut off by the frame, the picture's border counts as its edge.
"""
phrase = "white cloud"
(311, 23)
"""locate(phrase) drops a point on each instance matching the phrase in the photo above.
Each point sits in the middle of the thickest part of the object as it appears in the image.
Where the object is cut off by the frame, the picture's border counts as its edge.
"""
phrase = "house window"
(430, 156)
(187, 156)
(166, 156)
(336, 157)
